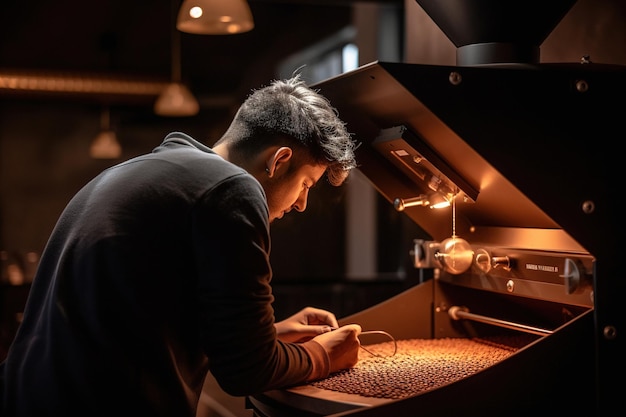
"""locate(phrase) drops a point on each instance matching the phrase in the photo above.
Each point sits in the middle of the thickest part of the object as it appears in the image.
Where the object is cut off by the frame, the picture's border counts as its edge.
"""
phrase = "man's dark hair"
(290, 110)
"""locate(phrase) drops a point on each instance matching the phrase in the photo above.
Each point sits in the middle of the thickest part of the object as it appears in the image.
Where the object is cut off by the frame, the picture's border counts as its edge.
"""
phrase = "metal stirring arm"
(458, 313)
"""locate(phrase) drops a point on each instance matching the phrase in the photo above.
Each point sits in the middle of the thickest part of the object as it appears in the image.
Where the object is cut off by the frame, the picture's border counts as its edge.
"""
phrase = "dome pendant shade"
(105, 145)
(215, 17)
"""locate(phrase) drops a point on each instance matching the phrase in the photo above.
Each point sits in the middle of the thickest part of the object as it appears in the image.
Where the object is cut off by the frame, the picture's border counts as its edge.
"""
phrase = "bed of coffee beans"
(419, 365)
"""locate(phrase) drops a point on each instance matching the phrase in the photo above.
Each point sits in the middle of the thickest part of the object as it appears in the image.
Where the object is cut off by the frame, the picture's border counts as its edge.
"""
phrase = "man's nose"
(300, 204)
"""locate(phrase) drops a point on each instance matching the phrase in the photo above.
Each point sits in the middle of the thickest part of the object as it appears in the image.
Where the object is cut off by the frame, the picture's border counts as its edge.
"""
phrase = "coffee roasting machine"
(526, 259)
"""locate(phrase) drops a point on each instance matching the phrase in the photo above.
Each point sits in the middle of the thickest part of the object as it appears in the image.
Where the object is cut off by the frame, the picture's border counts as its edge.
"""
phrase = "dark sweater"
(156, 272)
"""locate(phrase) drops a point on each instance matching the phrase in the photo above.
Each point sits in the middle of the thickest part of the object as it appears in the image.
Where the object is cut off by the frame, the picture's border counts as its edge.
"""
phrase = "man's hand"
(305, 325)
(342, 346)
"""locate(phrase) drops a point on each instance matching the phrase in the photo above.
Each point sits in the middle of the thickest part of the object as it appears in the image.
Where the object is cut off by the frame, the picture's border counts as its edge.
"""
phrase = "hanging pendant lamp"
(176, 100)
(215, 17)
(105, 145)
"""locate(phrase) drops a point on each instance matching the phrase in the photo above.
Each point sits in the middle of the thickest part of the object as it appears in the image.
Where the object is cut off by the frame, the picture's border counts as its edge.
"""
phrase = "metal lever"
(457, 313)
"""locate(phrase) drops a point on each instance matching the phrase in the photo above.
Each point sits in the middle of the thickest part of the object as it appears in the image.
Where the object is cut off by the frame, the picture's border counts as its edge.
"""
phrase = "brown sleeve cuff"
(320, 361)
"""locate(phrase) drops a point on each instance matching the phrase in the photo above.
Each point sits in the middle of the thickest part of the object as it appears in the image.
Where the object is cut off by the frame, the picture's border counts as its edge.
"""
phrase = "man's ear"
(279, 159)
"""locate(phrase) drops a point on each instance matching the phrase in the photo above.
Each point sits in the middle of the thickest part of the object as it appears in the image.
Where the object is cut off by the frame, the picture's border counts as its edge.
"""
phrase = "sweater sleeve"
(236, 318)
(320, 362)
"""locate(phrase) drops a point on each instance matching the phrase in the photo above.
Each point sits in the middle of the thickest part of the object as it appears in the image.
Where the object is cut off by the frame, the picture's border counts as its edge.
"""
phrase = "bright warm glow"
(438, 201)
(225, 19)
(195, 12)
(440, 205)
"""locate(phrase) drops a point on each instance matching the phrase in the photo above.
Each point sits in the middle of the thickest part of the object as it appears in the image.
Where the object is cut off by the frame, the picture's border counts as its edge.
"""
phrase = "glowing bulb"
(195, 12)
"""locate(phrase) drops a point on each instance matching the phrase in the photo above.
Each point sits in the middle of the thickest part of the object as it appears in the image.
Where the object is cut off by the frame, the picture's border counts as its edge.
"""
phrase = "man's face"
(291, 191)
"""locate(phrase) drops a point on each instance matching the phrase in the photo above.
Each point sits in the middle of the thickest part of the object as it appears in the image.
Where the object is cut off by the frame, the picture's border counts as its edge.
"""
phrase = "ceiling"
(132, 38)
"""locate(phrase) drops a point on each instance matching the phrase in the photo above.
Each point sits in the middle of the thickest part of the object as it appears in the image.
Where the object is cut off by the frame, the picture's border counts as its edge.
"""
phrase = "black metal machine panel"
(527, 154)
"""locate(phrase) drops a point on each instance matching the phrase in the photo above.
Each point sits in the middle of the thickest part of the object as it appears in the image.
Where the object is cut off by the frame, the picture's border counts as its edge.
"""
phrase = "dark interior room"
(513, 110)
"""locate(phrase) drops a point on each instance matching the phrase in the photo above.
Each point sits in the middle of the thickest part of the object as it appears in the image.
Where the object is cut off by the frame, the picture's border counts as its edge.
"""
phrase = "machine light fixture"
(433, 200)
(438, 201)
